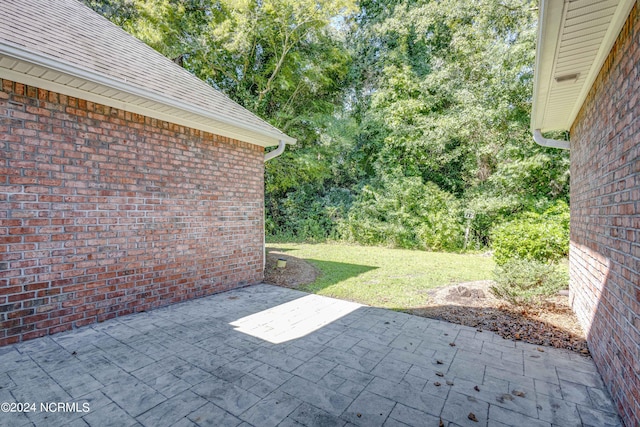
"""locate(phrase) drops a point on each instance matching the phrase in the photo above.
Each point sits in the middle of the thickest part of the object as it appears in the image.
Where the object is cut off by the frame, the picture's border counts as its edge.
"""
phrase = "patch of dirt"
(297, 272)
(550, 323)
(471, 294)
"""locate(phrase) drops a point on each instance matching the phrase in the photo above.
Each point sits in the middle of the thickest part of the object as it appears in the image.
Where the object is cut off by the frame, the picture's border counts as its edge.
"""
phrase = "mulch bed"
(296, 273)
(552, 324)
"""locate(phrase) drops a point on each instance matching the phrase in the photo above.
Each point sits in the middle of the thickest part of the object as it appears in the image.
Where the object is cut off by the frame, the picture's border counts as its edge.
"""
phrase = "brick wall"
(105, 213)
(605, 220)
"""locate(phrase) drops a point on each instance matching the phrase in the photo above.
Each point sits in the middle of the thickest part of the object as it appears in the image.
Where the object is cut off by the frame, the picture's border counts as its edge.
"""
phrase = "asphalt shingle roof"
(70, 32)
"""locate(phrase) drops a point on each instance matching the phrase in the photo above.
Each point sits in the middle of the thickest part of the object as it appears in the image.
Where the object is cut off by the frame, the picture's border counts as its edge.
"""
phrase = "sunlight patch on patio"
(294, 319)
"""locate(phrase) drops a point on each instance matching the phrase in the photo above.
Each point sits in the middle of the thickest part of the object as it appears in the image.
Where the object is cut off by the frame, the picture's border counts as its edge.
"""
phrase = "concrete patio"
(269, 356)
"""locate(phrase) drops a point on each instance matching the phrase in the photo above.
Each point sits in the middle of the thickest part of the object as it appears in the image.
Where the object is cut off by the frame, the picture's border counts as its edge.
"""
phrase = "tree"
(284, 60)
(383, 95)
(452, 86)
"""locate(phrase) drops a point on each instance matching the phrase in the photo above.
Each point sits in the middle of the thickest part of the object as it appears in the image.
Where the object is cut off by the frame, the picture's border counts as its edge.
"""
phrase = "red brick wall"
(605, 220)
(105, 213)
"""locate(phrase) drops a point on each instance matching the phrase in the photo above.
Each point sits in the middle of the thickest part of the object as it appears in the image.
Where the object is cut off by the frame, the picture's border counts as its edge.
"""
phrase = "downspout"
(546, 142)
(268, 156)
(275, 153)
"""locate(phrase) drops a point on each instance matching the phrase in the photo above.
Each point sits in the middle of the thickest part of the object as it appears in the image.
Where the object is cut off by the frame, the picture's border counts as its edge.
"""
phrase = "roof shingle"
(68, 32)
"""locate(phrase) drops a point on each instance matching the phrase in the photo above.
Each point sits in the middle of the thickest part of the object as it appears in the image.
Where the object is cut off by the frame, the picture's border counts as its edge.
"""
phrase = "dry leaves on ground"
(549, 323)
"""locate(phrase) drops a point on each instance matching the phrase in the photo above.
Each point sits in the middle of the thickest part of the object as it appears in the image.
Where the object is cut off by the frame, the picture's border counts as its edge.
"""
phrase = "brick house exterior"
(605, 220)
(605, 188)
(153, 196)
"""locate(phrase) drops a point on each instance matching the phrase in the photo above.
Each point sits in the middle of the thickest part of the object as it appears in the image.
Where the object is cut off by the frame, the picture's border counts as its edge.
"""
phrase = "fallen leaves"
(472, 417)
(440, 374)
(550, 324)
(476, 388)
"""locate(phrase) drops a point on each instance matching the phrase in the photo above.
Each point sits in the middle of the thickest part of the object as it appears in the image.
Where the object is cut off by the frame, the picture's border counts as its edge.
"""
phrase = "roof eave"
(552, 18)
(549, 24)
(210, 121)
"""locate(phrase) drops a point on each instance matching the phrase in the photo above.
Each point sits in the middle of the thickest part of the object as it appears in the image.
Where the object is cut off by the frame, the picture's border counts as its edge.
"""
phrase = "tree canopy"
(407, 113)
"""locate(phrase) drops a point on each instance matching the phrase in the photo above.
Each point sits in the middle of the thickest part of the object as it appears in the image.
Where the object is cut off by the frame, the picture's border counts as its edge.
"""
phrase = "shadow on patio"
(268, 356)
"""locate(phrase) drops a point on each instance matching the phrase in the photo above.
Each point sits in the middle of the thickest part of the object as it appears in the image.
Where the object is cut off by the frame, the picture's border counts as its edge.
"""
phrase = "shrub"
(405, 212)
(523, 281)
(489, 212)
(536, 237)
(304, 215)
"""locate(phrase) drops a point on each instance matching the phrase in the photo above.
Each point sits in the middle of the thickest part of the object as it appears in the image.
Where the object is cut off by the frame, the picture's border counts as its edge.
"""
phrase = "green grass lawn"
(383, 277)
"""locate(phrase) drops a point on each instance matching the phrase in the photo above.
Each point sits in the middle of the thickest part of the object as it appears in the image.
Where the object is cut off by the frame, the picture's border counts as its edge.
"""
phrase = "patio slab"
(270, 356)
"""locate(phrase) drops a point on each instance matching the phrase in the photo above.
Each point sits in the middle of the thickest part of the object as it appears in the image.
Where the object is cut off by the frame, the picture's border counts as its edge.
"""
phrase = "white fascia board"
(220, 124)
(550, 20)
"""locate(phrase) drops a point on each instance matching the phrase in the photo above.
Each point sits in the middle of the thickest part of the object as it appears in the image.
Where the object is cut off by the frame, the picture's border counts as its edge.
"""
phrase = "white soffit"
(574, 39)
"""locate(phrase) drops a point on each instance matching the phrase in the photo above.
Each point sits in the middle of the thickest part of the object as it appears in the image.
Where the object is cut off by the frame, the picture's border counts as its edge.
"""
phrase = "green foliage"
(490, 211)
(451, 85)
(523, 281)
(301, 215)
(535, 237)
(404, 212)
(280, 59)
(436, 94)
(307, 190)
(120, 12)
(531, 172)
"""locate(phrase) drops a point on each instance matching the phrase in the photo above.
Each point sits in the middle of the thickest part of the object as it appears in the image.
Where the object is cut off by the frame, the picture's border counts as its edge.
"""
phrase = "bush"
(535, 237)
(304, 215)
(523, 281)
(407, 213)
(491, 211)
